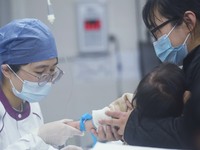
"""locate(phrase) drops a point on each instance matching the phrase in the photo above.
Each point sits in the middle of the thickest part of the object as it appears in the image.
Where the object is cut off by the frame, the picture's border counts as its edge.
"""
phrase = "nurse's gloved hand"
(56, 133)
(72, 147)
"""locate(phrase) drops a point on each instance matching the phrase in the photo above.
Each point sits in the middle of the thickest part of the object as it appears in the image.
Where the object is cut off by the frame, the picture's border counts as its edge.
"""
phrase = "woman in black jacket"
(175, 26)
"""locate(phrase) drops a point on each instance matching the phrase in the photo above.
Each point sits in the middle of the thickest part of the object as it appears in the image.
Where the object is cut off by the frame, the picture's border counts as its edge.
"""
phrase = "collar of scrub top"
(83, 119)
(13, 113)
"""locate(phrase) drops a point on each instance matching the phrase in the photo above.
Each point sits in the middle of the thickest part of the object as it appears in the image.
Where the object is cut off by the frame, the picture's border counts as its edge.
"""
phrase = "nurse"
(28, 60)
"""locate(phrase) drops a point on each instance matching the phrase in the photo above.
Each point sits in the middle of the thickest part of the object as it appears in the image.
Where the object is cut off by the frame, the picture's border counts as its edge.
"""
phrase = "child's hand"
(75, 124)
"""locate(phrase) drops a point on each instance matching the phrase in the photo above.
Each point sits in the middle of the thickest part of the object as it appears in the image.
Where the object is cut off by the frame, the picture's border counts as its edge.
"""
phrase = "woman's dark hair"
(160, 93)
(170, 9)
(16, 68)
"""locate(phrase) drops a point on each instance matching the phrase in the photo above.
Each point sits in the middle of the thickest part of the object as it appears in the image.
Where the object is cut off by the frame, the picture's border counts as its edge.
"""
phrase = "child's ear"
(186, 96)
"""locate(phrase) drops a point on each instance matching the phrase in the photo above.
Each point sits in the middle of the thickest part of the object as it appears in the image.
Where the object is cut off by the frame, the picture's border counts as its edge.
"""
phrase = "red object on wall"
(91, 25)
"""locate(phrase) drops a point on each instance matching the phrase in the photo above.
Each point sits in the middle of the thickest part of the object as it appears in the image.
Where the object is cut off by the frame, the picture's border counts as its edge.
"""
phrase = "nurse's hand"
(119, 120)
(56, 133)
(106, 133)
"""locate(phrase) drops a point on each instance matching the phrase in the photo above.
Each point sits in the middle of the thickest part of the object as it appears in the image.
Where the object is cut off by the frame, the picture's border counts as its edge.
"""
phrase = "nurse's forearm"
(30, 141)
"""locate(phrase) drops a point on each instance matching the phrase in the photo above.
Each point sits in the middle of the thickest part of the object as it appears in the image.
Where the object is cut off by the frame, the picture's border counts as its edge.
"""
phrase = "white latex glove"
(56, 133)
(72, 147)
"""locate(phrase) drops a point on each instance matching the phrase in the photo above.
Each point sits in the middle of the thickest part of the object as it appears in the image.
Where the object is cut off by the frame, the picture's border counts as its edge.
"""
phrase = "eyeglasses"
(45, 78)
(160, 26)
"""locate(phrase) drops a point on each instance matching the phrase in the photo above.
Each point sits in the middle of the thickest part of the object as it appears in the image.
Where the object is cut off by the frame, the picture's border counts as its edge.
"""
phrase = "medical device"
(92, 26)
(50, 16)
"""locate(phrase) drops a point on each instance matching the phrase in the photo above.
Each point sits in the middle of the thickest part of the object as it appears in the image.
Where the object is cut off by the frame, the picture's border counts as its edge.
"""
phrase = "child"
(159, 94)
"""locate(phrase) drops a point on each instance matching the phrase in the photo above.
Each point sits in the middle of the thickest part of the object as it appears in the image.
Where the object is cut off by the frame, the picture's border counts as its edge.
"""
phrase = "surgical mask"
(167, 53)
(31, 91)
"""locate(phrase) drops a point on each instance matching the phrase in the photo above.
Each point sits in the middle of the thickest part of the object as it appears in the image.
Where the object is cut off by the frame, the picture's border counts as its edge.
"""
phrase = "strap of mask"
(186, 38)
(14, 73)
(171, 30)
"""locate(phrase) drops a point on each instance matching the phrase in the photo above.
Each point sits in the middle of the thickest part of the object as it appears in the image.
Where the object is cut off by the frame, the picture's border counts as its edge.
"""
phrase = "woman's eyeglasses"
(160, 26)
(45, 78)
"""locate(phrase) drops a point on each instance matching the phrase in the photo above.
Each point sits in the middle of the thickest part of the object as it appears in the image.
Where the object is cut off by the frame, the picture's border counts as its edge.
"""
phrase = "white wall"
(74, 94)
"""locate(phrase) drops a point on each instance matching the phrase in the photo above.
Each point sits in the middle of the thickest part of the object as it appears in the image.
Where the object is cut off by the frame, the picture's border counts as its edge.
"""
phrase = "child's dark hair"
(171, 9)
(160, 93)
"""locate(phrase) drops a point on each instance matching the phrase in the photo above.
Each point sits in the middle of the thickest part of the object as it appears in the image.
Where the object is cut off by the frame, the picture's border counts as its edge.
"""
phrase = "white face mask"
(31, 91)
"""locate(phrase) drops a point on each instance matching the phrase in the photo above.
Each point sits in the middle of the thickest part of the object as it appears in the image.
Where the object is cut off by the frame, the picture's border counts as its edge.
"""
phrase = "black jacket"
(171, 132)
(192, 73)
(163, 133)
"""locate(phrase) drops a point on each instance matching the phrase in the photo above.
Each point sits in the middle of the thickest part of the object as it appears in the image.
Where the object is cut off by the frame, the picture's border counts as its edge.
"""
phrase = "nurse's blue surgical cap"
(26, 41)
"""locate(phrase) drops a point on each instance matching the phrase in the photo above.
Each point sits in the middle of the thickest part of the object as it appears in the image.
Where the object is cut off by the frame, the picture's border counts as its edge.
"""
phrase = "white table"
(119, 146)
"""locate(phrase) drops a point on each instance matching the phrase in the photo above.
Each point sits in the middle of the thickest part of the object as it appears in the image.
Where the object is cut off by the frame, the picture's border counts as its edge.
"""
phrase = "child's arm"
(88, 125)
(121, 104)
